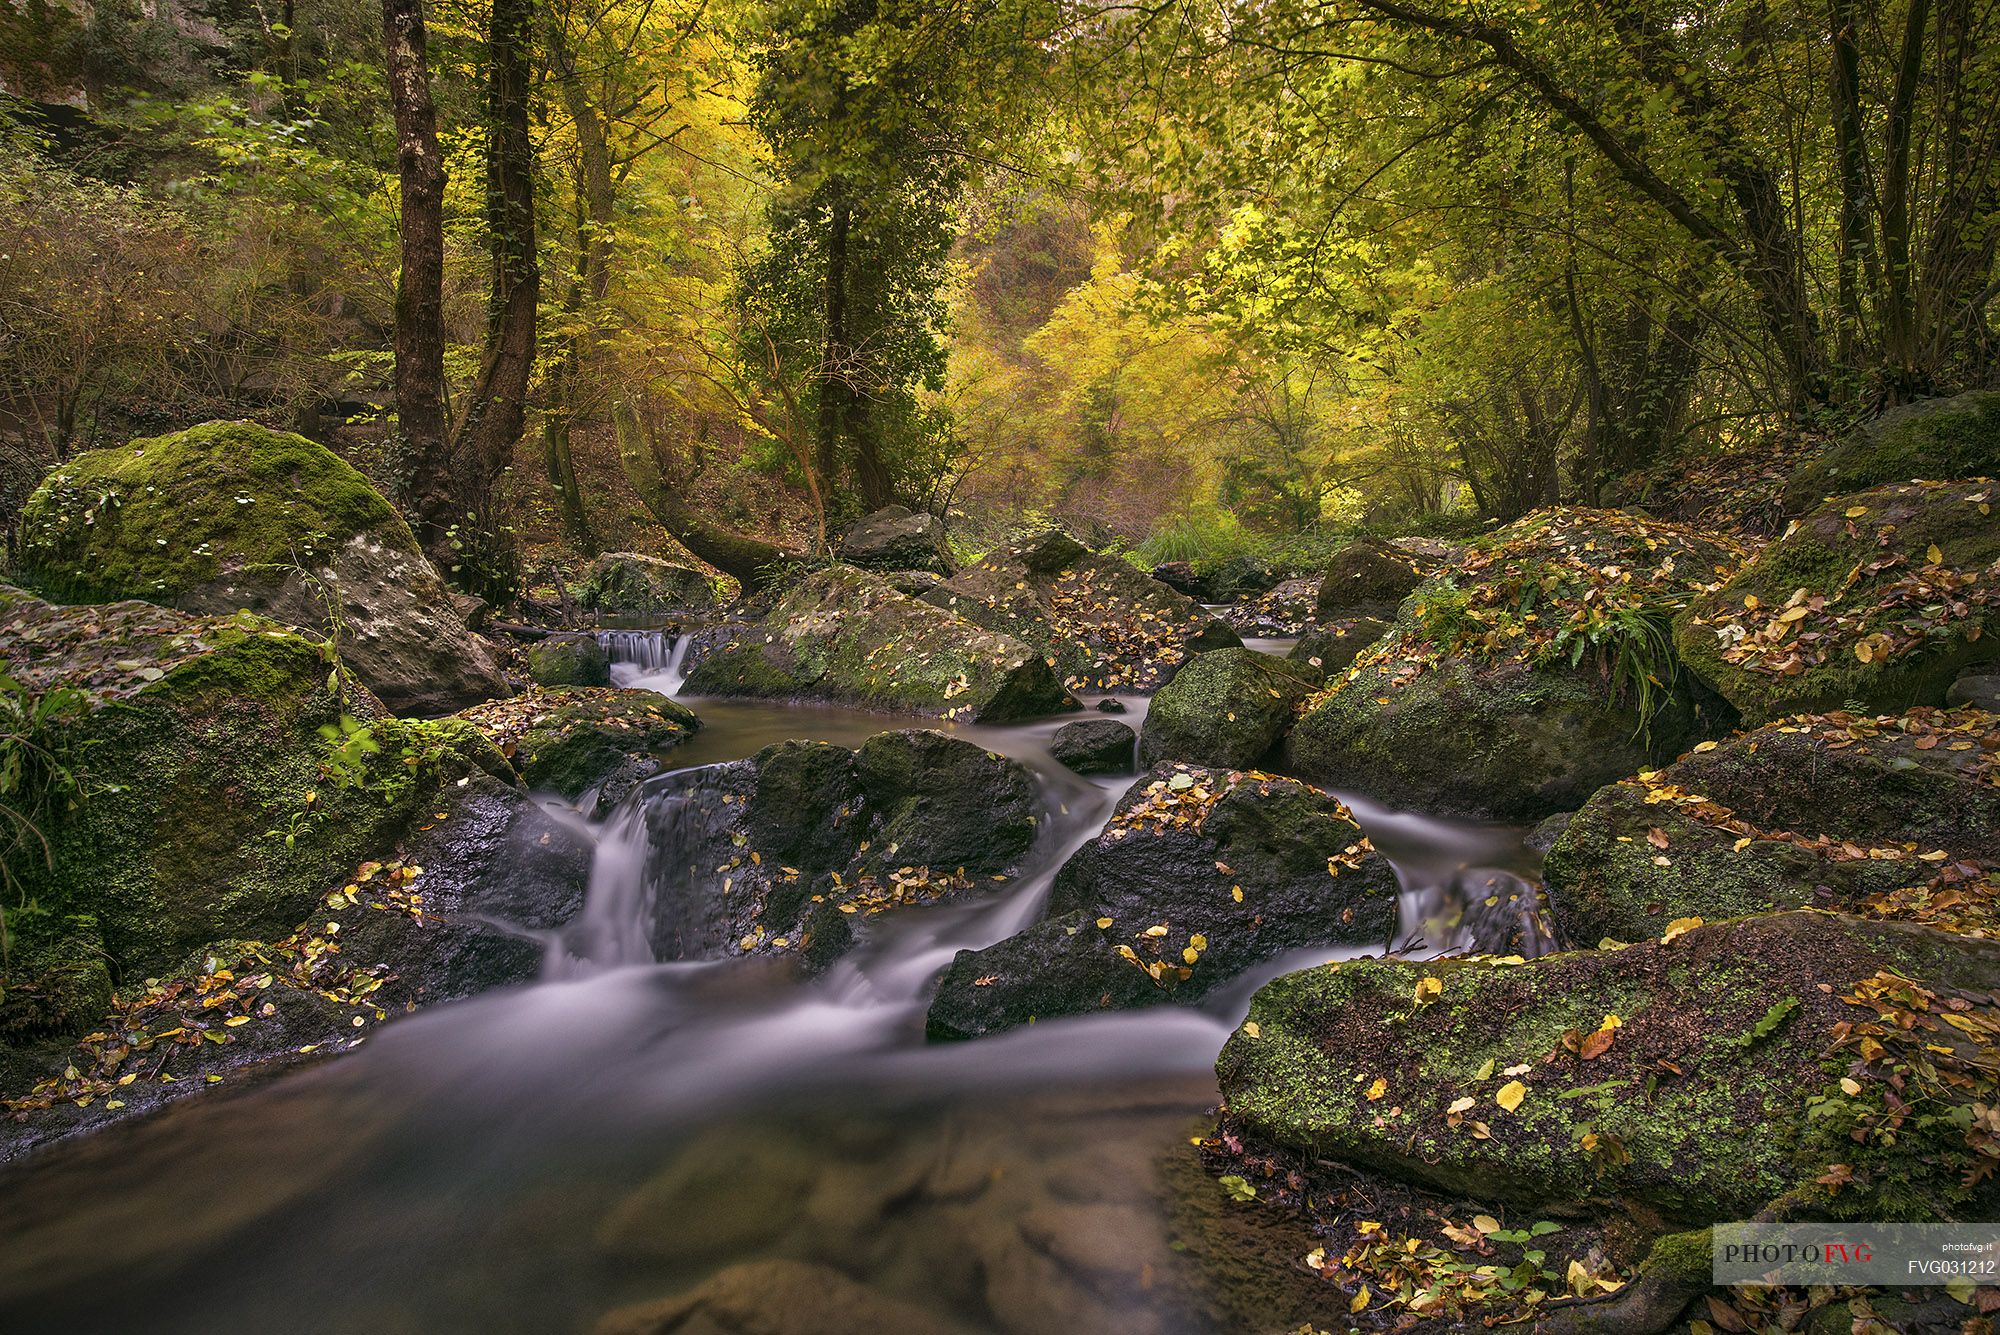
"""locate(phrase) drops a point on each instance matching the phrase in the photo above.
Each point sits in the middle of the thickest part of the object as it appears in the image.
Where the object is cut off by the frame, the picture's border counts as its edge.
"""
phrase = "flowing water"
(623, 1130)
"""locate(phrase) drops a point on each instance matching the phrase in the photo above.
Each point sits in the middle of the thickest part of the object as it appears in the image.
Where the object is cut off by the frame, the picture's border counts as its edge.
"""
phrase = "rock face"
(569, 739)
(1933, 438)
(1100, 622)
(1698, 1079)
(1369, 577)
(1978, 689)
(1881, 598)
(222, 787)
(784, 852)
(230, 516)
(634, 583)
(844, 635)
(1227, 707)
(1199, 875)
(1879, 816)
(1331, 649)
(569, 660)
(893, 538)
(1095, 746)
(1536, 671)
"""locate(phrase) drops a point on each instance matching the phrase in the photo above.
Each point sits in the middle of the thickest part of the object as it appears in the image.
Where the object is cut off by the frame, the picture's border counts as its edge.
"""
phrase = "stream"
(531, 1159)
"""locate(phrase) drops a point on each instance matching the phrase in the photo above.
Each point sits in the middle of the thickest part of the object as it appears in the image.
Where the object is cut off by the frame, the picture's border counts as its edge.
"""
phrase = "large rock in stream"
(635, 584)
(784, 853)
(230, 516)
(1896, 816)
(573, 739)
(1823, 1064)
(1199, 875)
(1101, 623)
(1370, 577)
(844, 635)
(1879, 599)
(897, 538)
(1536, 671)
(1227, 707)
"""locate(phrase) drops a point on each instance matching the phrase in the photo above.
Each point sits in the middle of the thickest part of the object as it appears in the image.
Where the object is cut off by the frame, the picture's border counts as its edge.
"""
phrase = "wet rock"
(569, 660)
(1837, 812)
(1982, 691)
(894, 538)
(1370, 577)
(1285, 609)
(1095, 746)
(633, 583)
(845, 635)
(1181, 578)
(230, 516)
(1100, 622)
(1227, 707)
(1111, 704)
(776, 1298)
(570, 739)
(1532, 674)
(1697, 1079)
(1933, 438)
(1180, 847)
(1332, 648)
(788, 852)
(1881, 599)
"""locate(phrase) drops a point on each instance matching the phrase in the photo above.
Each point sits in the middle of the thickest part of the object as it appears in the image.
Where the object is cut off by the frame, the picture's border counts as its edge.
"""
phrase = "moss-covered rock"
(844, 635)
(569, 739)
(1932, 438)
(1534, 672)
(786, 852)
(1331, 649)
(1199, 875)
(228, 516)
(896, 538)
(569, 660)
(1878, 599)
(1096, 746)
(633, 583)
(221, 785)
(1100, 622)
(1370, 577)
(1699, 1079)
(1227, 707)
(1837, 812)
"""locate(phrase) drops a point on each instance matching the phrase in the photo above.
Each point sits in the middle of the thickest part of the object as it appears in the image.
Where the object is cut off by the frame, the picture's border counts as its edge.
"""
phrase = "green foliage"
(40, 779)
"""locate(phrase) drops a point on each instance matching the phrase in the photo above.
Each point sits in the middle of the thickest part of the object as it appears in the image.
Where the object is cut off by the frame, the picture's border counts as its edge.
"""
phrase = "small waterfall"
(647, 659)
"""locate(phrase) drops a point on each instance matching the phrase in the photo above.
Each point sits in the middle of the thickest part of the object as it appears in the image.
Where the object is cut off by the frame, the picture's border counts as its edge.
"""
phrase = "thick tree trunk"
(753, 563)
(423, 455)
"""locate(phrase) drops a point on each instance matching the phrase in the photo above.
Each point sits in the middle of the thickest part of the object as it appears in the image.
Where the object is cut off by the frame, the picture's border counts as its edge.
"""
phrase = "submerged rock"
(1834, 812)
(569, 660)
(1933, 438)
(776, 1298)
(636, 584)
(1199, 875)
(1099, 621)
(1699, 1079)
(1533, 673)
(230, 516)
(1878, 599)
(1096, 746)
(896, 538)
(570, 739)
(1227, 707)
(845, 635)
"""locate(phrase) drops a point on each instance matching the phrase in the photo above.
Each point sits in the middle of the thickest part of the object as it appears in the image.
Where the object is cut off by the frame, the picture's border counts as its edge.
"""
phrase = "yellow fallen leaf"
(1316, 1259)
(1703, 747)
(1198, 941)
(1935, 556)
(1191, 955)
(1486, 1223)
(1610, 1022)
(1679, 927)
(1236, 893)
(1359, 1300)
(1250, 1028)
(1378, 1089)
(1856, 511)
(1511, 1094)
(1461, 1105)
(1428, 988)
(1104, 922)
(1849, 1086)
(235, 1020)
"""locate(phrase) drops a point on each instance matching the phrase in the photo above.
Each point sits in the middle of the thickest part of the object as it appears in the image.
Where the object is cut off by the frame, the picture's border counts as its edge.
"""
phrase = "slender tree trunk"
(1856, 206)
(423, 456)
(754, 564)
(835, 391)
(1898, 325)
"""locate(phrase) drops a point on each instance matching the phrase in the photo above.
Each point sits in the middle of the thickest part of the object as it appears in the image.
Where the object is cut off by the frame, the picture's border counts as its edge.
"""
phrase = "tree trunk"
(422, 449)
(753, 563)
(1856, 206)
(1898, 332)
(834, 389)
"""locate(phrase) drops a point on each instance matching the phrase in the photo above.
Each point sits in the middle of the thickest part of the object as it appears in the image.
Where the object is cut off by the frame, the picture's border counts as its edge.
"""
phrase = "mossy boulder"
(844, 635)
(1695, 1080)
(1879, 599)
(569, 660)
(1330, 649)
(1227, 707)
(1285, 609)
(1095, 746)
(1370, 577)
(1533, 673)
(1199, 875)
(230, 516)
(897, 538)
(786, 852)
(634, 584)
(570, 739)
(1834, 812)
(1941, 439)
(1100, 622)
